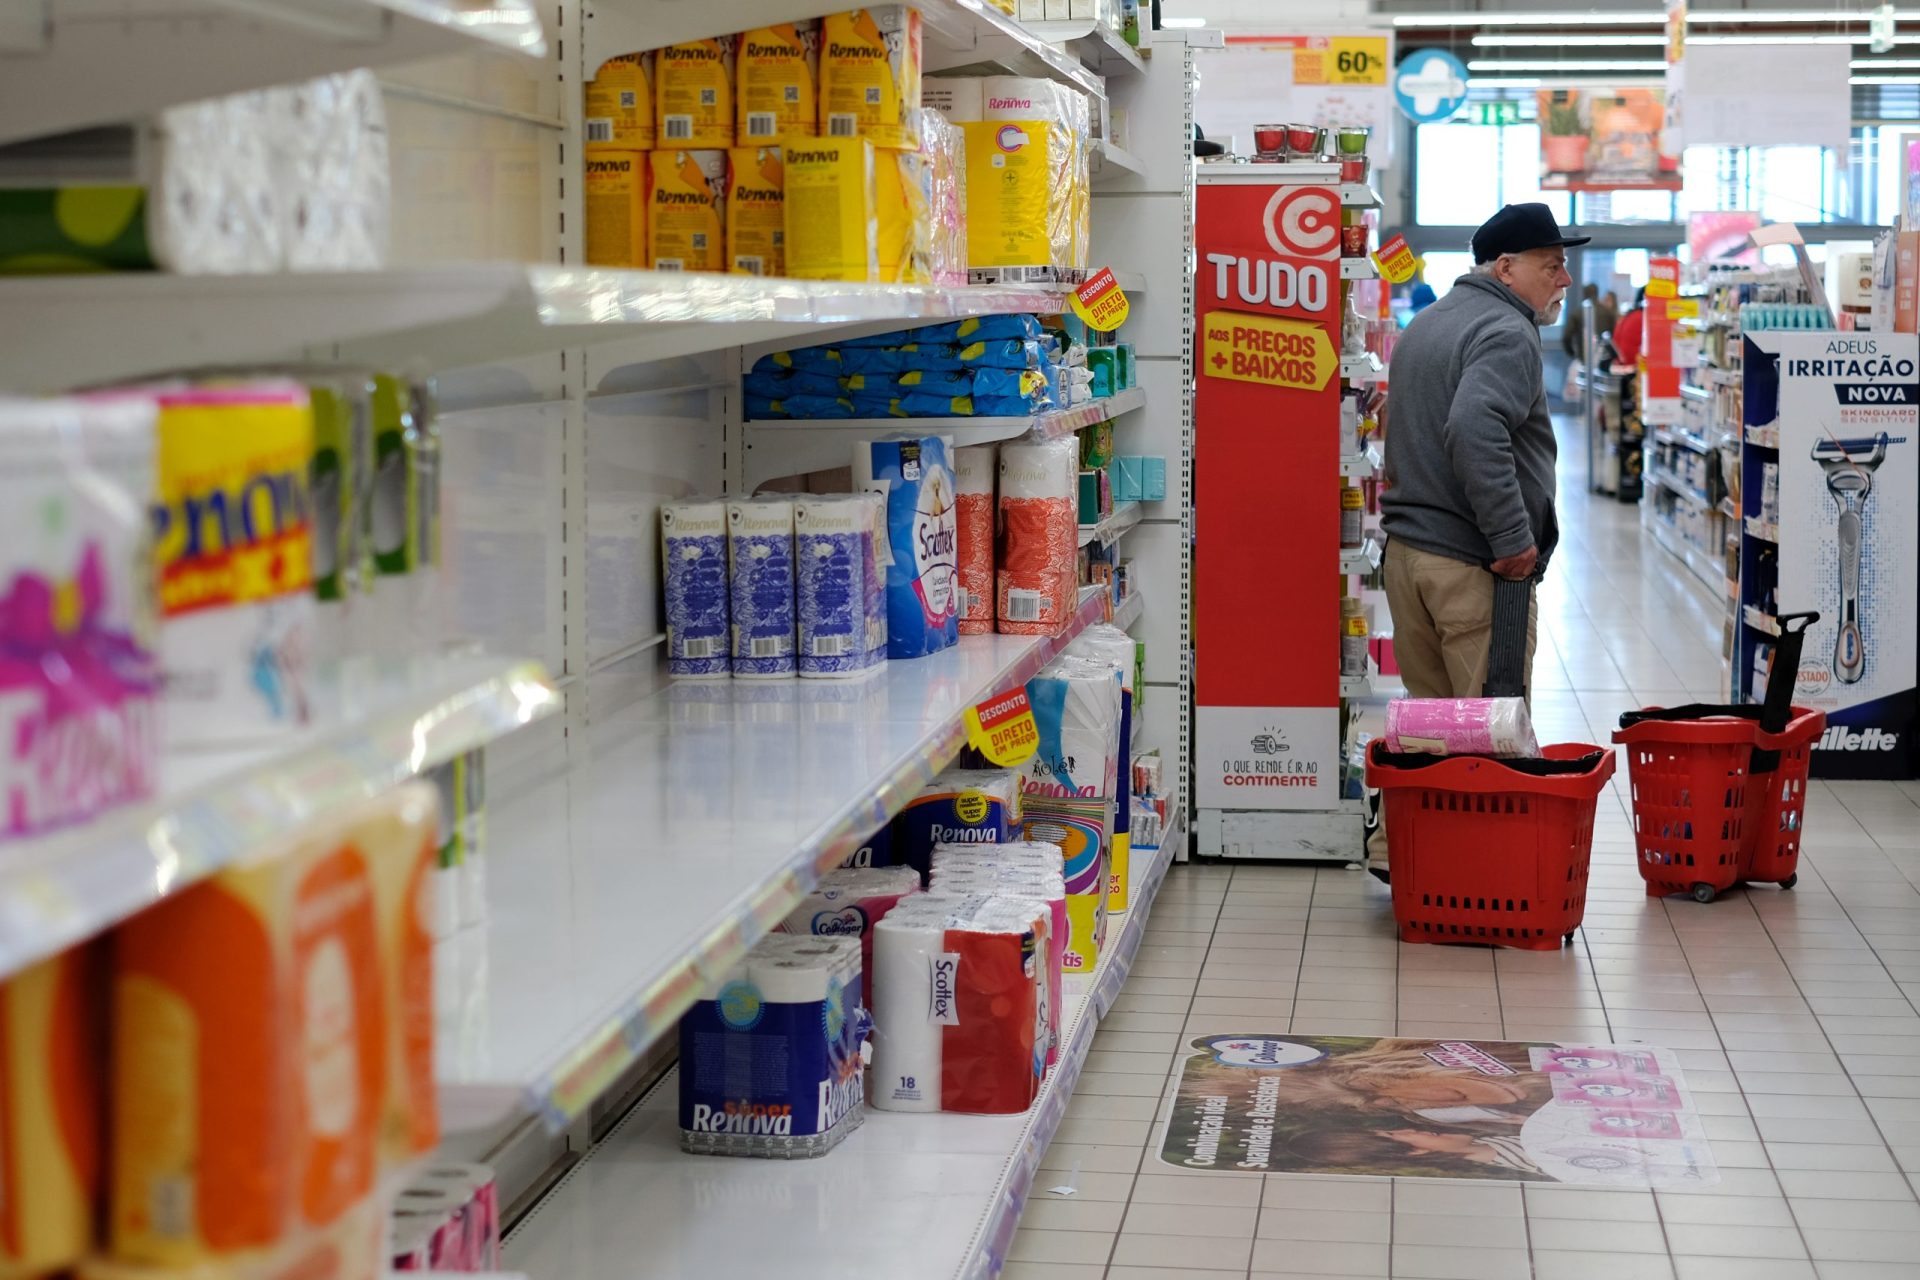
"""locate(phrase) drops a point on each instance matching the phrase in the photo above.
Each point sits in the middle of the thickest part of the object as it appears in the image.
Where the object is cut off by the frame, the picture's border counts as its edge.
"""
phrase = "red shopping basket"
(1703, 818)
(1485, 853)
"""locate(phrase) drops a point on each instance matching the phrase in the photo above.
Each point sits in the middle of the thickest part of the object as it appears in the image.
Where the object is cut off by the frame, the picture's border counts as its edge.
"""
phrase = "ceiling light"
(1566, 64)
(1884, 64)
(1603, 37)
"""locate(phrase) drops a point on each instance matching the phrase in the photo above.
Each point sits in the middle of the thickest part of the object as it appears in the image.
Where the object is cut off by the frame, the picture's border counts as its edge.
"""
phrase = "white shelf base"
(923, 1195)
(1129, 612)
(1096, 44)
(1359, 466)
(680, 830)
(1123, 517)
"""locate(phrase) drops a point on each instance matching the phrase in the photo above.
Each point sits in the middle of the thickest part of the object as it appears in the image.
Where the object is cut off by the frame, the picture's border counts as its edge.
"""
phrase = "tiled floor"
(1794, 1014)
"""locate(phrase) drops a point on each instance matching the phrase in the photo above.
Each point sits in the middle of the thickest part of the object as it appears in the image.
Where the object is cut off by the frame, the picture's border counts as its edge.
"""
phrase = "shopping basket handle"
(1507, 648)
(1805, 620)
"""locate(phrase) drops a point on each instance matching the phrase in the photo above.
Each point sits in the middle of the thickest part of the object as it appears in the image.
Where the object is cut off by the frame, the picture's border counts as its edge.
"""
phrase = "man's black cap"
(1518, 228)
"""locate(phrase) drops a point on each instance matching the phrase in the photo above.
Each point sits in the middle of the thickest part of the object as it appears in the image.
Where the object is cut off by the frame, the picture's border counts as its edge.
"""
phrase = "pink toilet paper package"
(1461, 727)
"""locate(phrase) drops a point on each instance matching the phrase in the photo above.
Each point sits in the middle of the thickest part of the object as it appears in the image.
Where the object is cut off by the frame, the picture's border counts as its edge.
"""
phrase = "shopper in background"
(1470, 457)
(1573, 335)
(1606, 314)
(1628, 335)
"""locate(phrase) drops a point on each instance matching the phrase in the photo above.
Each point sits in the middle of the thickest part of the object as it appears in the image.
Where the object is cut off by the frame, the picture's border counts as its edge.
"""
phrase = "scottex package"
(961, 806)
(870, 75)
(776, 83)
(914, 475)
(687, 212)
(770, 1061)
(693, 84)
(756, 213)
(619, 104)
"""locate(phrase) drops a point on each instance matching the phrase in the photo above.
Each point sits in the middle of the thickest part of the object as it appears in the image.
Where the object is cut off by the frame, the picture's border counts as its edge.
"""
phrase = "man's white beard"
(1552, 314)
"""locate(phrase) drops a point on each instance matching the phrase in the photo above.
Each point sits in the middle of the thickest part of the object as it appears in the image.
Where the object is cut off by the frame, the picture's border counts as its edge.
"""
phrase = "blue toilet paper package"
(693, 561)
(793, 382)
(961, 806)
(875, 851)
(760, 556)
(830, 584)
(914, 474)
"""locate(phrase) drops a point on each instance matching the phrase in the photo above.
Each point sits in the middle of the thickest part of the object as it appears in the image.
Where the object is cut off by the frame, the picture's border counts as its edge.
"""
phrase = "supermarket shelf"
(955, 34)
(1762, 622)
(936, 1195)
(1123, 517)
(1765, 531)
(1358, 195)
(93, 63)
(1362, 464)
(1726, 509)
(1365, 367)
(1667, 480)
(683, 826)
(443, 317)
(1690, 392)
(1709, 569)
(1095, 44)
(1108, 161)
(1364, 558)
(1682, 439)
(791, 448)
(1765, 437)
(1357, 686)
(1722, 377)
(1129, 610)
(1359, 269)
(388, 721)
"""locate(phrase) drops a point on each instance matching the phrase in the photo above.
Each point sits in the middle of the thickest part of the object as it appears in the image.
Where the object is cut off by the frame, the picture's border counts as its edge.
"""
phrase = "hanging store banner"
(1673, 123)
(1807, 102)
(1847, 475)
(1267, 733)
(1584, 1115)
(1604, 140)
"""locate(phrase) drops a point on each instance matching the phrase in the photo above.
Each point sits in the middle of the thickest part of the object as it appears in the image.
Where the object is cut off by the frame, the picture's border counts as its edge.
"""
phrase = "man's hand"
(1519, 567)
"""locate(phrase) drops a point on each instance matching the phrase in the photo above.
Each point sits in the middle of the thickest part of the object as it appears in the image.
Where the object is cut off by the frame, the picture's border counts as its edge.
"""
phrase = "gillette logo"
(943, 1005)
(1840, 738)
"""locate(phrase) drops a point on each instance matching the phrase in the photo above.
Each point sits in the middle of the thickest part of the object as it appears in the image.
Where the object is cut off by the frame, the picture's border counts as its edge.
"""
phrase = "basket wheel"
(1790, 881)
(1703, 892)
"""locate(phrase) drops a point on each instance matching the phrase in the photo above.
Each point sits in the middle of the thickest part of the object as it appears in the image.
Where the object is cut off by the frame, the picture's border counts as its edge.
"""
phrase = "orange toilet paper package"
(50, 1113)
(619, 104)
(616, 200)
(776, 93)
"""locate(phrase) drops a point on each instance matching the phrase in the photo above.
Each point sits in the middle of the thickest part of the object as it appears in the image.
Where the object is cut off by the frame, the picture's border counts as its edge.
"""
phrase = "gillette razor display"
(1842, 490)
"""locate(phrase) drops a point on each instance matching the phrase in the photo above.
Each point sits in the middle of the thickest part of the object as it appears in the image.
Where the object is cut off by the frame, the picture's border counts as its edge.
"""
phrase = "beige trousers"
(1442, 629)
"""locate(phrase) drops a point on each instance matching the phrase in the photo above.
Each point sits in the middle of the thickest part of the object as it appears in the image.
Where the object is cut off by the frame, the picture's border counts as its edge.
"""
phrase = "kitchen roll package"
(693, 560)
(960, 806)
(973, 469)
(770, 1061)
(1041, 882)
(1068, 788)
(1038, 490)
(833, 542)
(1107, 643)
(958, 1017)
(50, 1113)
(847, 903)
(760, 557)
(915, 477)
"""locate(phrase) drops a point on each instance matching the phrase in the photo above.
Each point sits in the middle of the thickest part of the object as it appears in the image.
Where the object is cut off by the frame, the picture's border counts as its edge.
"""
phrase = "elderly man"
(1470, 456)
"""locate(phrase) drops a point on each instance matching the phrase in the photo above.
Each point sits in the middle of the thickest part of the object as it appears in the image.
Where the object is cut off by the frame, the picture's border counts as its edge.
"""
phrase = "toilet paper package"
(233, 538)
(1461, 726)
(870, 75)
(619, 104)
(1107, 643)
(877, 548)
(756, 213)
(687, 210)
(233, 1002)
(974, 468)
(79, 678)
(959, 1023)
(1044, 884)
(1040, 232)
(875, 851)
(51, 1059)
(760, 557)
(693, 94)
(832, 533)
(1034, 586)
(1082, 829)
(1069, 788)
(616, 184)
(832, 230)
(847, 904)
(960, 806)
(777, 83)
(693, 561)
(914, 475)
(770, 1060)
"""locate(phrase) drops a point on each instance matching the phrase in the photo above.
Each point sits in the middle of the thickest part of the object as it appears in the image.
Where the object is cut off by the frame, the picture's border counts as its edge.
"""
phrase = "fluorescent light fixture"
(1506, 82)
(1183, 22)
(1604, 37)
(1885, 64)
(1567, 64)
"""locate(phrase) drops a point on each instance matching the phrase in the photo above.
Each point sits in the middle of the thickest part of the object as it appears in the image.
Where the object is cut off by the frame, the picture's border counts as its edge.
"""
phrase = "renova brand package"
(961, 806)
(619, 107)
(693, 83)
(693, 560)
(616, 186)
(832, 232)
(870, 75)
(777, 84)
(915, 477)
(756, 212)
(687, 212)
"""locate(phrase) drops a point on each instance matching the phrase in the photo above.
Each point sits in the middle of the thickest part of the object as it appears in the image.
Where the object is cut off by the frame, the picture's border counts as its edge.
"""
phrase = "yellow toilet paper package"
(693, 85)
(870, 75)
(903, 215)
(756, 212)
(687, 213)
(1008, 200)
(619, 104)
(51, 1062)
(777, 83)
(616, 197)
(830, 221)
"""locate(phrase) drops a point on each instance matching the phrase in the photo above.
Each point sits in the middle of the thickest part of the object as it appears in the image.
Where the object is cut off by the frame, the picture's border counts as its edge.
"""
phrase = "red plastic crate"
(1482, 853)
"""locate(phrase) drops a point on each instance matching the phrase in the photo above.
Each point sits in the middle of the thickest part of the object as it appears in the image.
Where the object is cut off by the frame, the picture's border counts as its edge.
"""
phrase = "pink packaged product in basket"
(1461, 727)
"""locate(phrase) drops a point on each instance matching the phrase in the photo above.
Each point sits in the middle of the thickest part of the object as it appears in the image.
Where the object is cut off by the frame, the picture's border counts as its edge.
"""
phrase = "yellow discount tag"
(1683, 308)
(1279, 353)
(1396, 260)
(1101, 303)
(1342, 60)
(1002, 729)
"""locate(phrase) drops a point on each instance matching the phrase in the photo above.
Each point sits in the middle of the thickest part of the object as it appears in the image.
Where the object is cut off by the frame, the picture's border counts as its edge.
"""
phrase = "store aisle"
(1793, 1013)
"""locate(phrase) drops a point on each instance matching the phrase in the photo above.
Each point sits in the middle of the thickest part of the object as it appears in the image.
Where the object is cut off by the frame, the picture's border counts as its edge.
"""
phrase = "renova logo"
(1011, 137)
(1302, 222)
(1259, 1051)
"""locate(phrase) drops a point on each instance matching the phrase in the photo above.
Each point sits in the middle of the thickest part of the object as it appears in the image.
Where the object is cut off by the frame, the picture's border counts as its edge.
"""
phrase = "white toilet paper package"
(961, 806)
(848, 902)
(914, 474)
(693, 561)
(1461, 726)
(958, 1016)
(1068, 788)
(833, 534)
(770, 1061)
(1107, 643)
(760, 560)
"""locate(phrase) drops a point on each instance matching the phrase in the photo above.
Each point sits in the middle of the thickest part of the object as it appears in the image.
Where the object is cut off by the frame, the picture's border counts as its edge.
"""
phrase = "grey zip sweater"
(1470, 448)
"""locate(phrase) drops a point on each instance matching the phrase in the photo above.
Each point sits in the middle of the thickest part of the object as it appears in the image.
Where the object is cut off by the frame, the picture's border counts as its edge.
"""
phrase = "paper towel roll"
(960, 806)
(693, 555)
(958, 985)
(832, 536)
(1034, 585)
(848, 903)
(1107, 643)
(974, 468)
(760, 557)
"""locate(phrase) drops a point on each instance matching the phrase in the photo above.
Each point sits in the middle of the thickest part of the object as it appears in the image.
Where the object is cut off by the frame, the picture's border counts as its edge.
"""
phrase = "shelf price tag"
(1396, 260)
(1002, 729)
(1101, 303)
(1277, 353)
